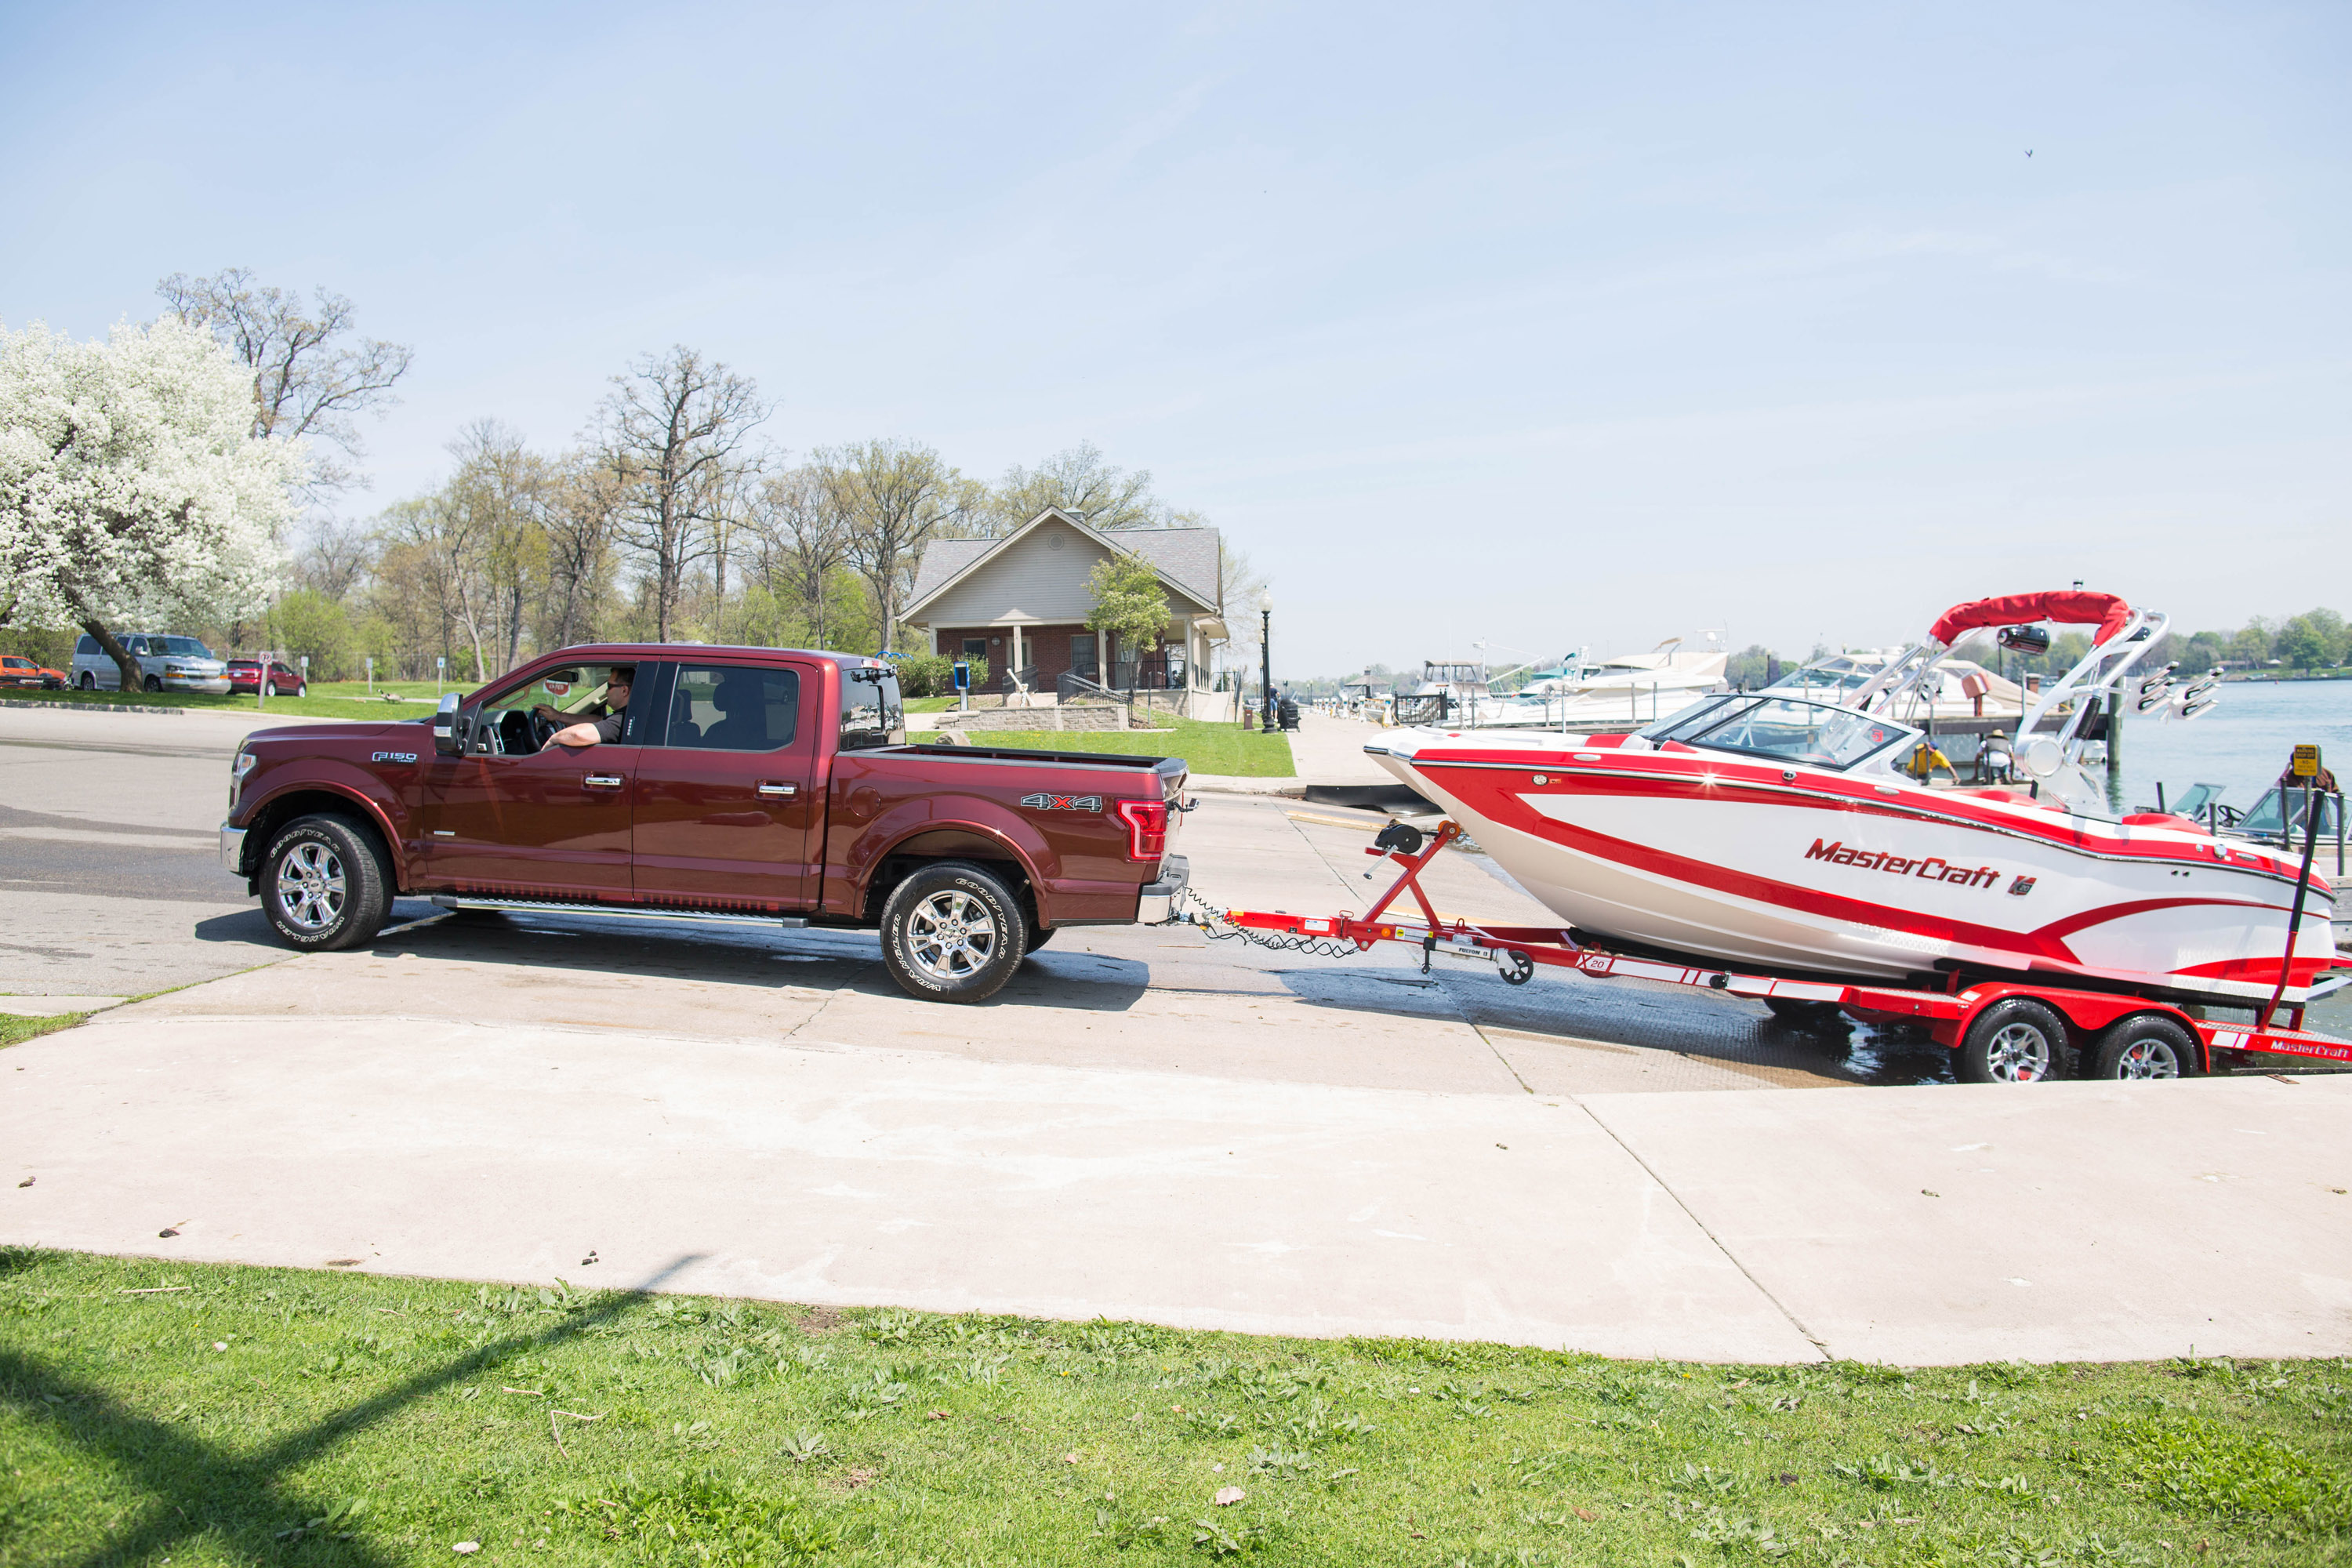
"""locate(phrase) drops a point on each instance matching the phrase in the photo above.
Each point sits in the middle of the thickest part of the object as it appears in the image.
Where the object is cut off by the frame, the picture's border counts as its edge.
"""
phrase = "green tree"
(1129, 604)
(2203, 651)
(311, 626)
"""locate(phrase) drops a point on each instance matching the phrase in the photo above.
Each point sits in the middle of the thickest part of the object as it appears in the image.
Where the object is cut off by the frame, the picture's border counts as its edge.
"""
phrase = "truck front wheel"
(323, 886)
(951, 932)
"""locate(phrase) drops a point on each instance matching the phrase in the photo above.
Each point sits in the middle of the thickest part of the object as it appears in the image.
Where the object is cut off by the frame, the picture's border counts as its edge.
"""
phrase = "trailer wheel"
(2147, 1045)
(2015, 1040)
(951, 932)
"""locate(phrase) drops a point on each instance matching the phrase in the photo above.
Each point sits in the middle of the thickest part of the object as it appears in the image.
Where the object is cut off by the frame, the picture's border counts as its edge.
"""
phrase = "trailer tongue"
(1999, 1030)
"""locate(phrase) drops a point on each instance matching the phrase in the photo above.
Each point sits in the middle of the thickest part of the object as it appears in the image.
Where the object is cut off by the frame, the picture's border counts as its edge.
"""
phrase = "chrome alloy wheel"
(310, 886)
(2145, 1058)
(2020, 1053)
(950, 935)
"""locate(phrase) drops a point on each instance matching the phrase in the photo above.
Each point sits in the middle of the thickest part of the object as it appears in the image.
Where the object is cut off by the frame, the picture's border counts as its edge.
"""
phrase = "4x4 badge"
(1062, 802)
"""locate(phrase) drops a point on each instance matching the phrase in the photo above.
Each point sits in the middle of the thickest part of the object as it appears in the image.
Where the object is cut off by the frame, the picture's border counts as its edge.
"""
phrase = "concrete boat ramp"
(1144, 1124)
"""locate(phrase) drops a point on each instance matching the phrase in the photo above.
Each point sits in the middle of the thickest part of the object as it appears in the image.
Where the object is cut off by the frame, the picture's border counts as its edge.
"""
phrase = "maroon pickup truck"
(692, 782)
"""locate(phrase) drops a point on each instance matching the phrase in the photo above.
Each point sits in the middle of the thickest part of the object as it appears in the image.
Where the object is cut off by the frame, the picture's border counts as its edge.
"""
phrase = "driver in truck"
(587, 731)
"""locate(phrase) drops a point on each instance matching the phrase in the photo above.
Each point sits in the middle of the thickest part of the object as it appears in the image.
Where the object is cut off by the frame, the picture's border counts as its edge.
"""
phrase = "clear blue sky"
(1555, 325)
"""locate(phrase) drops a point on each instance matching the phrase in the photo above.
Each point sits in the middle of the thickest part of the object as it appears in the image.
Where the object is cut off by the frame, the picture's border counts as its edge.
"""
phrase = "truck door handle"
(602, 781)
(780, 791)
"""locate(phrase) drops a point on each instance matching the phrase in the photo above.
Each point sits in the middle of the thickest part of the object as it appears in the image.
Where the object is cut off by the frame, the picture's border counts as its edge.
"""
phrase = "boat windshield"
(1788, 729)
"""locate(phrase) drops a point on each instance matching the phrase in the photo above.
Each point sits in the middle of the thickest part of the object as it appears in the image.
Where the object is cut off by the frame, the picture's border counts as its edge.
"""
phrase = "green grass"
(1207, 748)
(929, 704)
(341, 700)
(16, 1031)
(271, 1415)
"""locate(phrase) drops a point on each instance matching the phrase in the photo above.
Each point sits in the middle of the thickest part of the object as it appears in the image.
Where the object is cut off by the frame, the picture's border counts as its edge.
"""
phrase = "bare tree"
(897, 497)
(580, 524)
(335, 557)
(804, 539)
(311, 378)
(671, 427)
(499, 497)
(1077, 480)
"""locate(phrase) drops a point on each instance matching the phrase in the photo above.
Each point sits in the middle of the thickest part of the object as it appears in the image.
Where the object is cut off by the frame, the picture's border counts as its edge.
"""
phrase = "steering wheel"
(542, 730)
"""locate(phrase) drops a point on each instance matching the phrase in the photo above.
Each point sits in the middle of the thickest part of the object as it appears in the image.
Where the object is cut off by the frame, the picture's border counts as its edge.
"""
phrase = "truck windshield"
(871, 712)
(1788, 729)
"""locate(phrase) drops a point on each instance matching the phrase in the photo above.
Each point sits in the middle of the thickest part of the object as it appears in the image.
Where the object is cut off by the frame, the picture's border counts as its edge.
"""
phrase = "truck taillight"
(1147, 828)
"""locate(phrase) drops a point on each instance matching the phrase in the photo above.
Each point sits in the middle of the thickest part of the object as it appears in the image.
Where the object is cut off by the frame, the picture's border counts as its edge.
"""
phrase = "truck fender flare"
(951, 815)
(375, 810)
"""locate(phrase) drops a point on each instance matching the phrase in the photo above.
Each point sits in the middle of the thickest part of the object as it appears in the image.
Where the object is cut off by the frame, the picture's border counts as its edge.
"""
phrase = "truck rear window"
(871, 712)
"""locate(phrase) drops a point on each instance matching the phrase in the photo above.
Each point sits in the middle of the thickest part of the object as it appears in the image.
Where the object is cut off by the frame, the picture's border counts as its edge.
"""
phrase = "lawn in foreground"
(1206, 748)
(217, 1415)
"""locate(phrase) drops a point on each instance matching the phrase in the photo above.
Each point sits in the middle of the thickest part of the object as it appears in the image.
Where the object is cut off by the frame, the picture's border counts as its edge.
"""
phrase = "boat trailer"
(1518, 952)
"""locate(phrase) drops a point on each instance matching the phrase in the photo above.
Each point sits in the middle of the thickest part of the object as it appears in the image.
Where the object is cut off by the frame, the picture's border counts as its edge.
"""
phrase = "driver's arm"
(591, 732)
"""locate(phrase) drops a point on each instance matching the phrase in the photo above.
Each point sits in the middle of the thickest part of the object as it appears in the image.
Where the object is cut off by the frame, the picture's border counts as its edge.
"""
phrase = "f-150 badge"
(1062, 802)
(392, 757)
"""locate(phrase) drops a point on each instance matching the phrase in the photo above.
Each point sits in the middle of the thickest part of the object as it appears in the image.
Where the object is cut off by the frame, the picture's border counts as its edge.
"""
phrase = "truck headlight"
(236, 772)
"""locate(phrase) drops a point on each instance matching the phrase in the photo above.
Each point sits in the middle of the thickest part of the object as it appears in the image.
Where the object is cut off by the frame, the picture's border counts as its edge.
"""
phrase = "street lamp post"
(1266, 659)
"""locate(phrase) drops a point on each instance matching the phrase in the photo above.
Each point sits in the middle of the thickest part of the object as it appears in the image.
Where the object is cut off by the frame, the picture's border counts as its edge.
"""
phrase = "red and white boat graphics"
(1779, 832)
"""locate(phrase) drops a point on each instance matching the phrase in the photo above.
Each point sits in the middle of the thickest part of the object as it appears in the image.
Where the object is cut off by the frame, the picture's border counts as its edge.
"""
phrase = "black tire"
(2015, 1040)
(2147, 1046)
(324, 884)
(303, 690)
(89, 681)
(154, 684)
(273, 688)
(951, 932)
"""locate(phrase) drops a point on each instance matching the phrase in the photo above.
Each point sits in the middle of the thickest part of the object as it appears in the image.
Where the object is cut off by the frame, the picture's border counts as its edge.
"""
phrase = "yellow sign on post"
(2306, 763)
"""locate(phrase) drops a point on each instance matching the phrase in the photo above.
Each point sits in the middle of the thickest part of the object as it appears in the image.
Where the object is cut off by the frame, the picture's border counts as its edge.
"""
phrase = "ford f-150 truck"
(732, 783)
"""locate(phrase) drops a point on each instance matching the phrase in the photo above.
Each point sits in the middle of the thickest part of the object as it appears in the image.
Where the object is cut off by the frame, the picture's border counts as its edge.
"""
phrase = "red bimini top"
(2072, 609)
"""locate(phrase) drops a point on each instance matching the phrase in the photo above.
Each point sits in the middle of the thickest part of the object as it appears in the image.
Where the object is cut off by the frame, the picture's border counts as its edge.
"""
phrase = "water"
(2243, 743)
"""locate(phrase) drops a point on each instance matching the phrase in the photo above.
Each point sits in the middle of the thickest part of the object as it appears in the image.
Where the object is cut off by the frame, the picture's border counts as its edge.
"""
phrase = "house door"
(1082, 656)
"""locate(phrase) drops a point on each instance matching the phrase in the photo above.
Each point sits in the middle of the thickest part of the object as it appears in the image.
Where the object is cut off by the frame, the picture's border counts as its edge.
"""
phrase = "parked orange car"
(16, 669)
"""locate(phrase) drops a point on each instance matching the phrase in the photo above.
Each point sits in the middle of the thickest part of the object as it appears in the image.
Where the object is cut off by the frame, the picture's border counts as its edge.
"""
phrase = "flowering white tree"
(132, 489)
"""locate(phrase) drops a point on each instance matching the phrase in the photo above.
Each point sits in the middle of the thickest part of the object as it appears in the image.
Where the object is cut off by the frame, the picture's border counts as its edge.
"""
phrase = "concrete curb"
(91, 707)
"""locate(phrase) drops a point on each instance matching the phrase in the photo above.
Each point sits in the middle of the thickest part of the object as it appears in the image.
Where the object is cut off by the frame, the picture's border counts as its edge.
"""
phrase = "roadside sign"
(2306, 763)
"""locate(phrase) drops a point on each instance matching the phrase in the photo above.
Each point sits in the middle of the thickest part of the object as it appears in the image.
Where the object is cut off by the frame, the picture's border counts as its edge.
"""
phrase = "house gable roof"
(1185, 559)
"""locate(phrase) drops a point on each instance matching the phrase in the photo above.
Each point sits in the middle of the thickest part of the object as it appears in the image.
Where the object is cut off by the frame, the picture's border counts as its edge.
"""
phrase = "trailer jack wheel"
(1517, 968)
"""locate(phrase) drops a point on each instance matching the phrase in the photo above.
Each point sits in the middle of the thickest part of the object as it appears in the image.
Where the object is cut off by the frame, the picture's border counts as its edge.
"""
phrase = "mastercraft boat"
(1789, 834)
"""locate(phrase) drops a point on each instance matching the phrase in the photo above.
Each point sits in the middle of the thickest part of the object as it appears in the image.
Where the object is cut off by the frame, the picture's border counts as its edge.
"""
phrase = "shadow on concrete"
(244, 1500)
(246, 925)
(1634, 1013)
(817, 959)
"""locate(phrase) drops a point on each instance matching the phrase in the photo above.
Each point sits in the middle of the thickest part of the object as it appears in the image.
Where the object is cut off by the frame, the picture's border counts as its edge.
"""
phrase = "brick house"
(1022, 602)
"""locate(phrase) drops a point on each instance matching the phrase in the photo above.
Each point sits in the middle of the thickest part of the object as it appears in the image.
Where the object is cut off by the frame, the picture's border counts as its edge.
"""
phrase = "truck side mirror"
(445, 725)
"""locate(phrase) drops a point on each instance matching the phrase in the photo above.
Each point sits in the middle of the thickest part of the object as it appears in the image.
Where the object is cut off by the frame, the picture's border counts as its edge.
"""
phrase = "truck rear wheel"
(2147, 1045)
(2015, 1040)
(324, 886)
(951, 932)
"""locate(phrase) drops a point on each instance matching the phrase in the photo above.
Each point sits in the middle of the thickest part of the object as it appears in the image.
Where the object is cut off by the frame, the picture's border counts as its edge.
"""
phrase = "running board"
(621, 912)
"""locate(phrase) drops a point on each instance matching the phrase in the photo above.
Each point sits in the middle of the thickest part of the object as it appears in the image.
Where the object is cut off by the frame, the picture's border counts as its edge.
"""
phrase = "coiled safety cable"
(1211, 923)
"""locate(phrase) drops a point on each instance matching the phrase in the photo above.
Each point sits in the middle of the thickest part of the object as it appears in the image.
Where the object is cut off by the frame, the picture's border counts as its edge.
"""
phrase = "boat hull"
(1804, 871)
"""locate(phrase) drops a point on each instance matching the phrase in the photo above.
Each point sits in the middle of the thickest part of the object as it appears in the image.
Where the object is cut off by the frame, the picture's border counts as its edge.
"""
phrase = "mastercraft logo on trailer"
(1934, 868)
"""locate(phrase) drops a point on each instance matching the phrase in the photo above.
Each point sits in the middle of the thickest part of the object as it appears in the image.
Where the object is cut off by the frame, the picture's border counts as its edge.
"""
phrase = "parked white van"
(170, 664)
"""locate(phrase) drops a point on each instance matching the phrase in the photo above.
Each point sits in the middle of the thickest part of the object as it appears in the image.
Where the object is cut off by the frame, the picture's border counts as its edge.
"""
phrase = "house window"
(975, 647)
(1082, 656)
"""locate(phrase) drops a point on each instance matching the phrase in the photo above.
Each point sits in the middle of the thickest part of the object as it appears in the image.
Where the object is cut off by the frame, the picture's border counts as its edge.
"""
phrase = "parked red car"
(244, 675)
(16, 669)
(767, 785)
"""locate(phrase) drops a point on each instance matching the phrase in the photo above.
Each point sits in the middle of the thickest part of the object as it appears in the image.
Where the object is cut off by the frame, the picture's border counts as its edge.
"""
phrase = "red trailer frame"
(1519, 951)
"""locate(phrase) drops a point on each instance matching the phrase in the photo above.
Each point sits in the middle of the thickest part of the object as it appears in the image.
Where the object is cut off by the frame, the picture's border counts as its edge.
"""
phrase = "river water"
(2245, 742)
